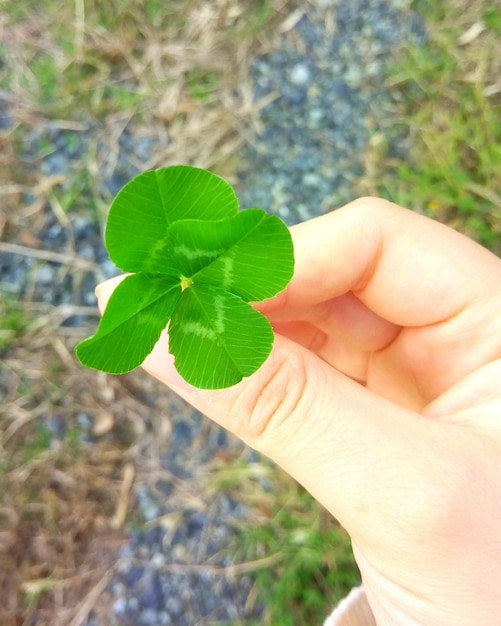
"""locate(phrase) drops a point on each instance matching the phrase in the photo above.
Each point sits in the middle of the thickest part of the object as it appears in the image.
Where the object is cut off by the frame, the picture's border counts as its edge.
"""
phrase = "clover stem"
(186, 282)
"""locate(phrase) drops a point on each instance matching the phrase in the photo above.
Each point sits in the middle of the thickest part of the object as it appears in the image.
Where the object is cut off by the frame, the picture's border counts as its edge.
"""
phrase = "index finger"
(406, 268)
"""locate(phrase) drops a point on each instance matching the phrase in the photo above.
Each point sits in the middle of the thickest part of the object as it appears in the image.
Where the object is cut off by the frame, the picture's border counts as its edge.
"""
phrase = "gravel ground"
(326, 80)
(327, 77)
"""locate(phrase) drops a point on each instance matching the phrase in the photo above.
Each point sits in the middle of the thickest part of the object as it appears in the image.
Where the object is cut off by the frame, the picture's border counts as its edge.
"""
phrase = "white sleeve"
(354, 610)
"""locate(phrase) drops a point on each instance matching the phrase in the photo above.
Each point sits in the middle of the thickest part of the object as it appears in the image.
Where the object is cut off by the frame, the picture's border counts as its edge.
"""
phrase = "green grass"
(450, 102)
(13, 321)
(312, 566)
(316, 568)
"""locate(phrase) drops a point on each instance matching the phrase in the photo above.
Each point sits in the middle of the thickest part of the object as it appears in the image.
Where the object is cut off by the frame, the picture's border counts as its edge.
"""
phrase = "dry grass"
(65, 490)
(173, 70)
(183, 72)
(57, 496)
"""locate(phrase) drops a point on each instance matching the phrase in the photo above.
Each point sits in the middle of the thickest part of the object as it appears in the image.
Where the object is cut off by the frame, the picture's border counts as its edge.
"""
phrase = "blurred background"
(119, 505)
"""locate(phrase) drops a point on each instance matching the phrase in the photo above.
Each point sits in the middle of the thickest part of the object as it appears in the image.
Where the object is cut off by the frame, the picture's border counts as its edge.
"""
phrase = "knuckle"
(272, 400)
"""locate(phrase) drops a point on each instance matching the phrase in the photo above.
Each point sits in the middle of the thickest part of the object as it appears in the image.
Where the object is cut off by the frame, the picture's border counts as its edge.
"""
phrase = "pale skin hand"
(382, 396)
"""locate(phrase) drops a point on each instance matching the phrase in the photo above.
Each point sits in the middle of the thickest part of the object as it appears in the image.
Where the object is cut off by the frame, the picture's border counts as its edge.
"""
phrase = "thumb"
(357, 453)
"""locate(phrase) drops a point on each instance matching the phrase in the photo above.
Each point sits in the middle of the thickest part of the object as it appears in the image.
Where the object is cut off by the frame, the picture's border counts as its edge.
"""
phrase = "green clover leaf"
(196, 262)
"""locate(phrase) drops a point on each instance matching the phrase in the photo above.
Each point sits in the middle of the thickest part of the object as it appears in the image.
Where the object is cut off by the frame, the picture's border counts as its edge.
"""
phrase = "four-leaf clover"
(195, 261)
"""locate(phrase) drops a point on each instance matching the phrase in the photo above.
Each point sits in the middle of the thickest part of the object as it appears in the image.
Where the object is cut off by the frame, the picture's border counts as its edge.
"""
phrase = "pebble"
(300, 74)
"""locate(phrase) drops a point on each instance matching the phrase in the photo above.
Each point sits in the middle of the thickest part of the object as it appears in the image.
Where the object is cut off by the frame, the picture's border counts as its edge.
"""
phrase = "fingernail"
(98, 289)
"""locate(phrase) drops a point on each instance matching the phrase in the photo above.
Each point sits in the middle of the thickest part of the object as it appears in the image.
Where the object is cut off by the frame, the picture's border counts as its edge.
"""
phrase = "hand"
(382, 396)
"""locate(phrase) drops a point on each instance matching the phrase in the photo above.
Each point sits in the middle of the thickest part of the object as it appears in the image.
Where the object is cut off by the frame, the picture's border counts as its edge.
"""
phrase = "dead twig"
(47, 255)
